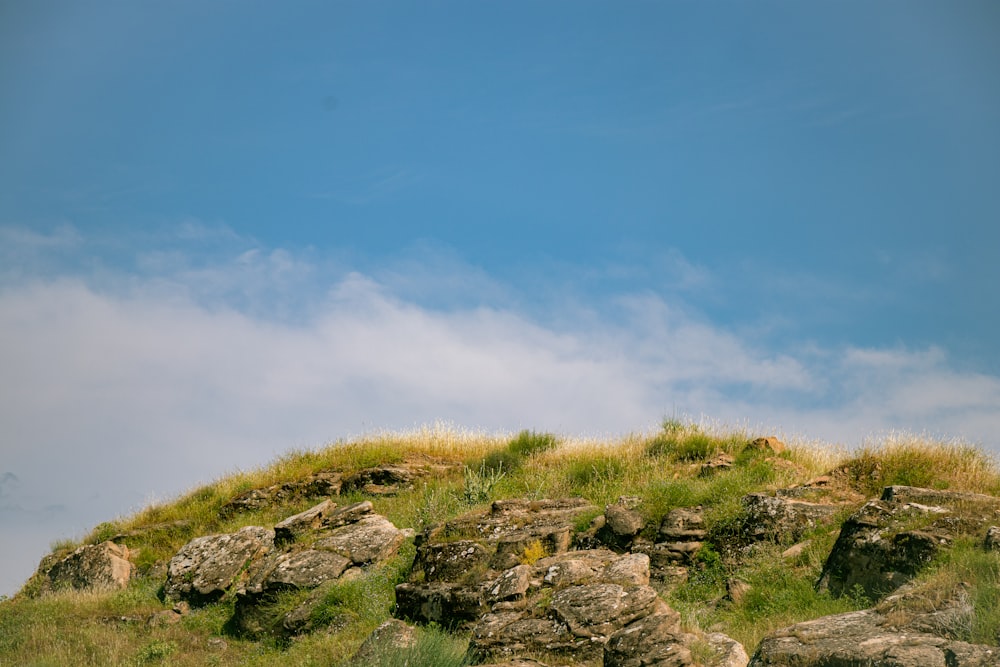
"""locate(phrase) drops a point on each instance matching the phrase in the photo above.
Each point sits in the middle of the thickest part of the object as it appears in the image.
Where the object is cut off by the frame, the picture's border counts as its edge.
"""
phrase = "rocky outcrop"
(885, 635)
(91, 567)
(321, 484)
(779, 519)
(314, 547)
(208, 567)
(456, 560)
(888, 541)
(585, 605)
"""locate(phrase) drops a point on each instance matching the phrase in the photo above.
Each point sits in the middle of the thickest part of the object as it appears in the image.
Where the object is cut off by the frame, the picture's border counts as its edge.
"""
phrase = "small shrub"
(533, 553)
(479, 485)
(155, 651)
(527, 443)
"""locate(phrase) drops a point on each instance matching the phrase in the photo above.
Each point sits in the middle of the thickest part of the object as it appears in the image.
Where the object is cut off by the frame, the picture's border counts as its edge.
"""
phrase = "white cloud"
(117, 392)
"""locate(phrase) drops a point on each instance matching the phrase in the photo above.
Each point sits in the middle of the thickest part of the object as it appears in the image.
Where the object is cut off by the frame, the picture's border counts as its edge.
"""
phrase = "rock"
(371, 538)
(381, 480)
(169, 616)
(598, 610)
(92, 567)
(341, 516)
(992, 540)
(323, 483)
(206, 568)
(729, 651)
(440, 602)
(863, 638)
(512, 548)
(737, 590)
(448, 561)
(780, 519)
(888, 541)
(718, 463)
(513, 633)
(630, 569)
(683, 524)
(653, 641)
(511, 585)
(294, 526)
(393, 635)
(680, 537)
(768, 444)
(307, 568)
(623, 522)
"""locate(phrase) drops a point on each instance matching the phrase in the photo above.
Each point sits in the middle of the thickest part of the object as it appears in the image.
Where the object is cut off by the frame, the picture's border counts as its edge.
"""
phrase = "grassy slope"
(69, 628)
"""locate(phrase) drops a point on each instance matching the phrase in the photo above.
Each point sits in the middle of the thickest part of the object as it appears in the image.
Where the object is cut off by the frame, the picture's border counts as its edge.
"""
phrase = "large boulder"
(652, 641)
(890, 540)
(459, 562)
(92, 567)
(866, 638)
(781, 519)
(208, 567)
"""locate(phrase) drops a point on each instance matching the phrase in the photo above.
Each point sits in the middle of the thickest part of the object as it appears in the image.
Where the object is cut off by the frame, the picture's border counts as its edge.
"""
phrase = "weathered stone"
(511, 585)
(304, 569)
(861, 638)
(393, 635)
(323, 483)
(292, 527)
(737, 590)
(992, 540)
(511, 633)
(93, 567)
(718, 463)
(768, 444)
(630, 569)
(440, 602)
(598, 610)
(729, 652)
(341, 516)
(778, 519)
(512, 546)
(683, 524)
(623, 522)
(207, 567)
(370, 539)
(574, 567)
(874, 554)
(652, 641)
(380, 480)
(450, 561)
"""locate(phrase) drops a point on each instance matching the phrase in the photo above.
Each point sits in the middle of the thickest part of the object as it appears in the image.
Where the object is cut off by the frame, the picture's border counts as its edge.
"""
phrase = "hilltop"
(688, 546)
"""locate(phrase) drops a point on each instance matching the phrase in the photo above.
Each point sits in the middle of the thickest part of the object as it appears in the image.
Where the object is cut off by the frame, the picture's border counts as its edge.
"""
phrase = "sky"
(229, 229)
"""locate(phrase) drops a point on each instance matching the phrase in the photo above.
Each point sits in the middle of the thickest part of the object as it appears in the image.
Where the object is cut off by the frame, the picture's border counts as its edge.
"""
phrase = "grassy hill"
(662, 470)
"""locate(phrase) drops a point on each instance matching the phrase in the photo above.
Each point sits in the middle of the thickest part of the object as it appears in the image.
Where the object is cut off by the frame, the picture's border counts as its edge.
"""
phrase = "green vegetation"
(664, 470)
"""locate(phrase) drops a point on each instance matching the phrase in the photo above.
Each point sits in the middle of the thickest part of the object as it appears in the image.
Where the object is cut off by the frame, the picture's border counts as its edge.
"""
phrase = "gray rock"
(623, 522)
(652, 641)
(598, 610)
(370, 539)
(861, 638)
(729, 651)
(876, 553)
(450, 561)
(781, 519)
(393, 635)
(992, 540)
(440, 602)
(206, 568)
(289, 529)
(93, 567)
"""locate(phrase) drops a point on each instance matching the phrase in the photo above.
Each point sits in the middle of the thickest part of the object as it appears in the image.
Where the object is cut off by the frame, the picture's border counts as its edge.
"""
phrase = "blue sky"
(231, 228)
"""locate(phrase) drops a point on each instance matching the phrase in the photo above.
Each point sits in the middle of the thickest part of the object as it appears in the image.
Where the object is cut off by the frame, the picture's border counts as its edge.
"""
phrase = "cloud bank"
(130, 381)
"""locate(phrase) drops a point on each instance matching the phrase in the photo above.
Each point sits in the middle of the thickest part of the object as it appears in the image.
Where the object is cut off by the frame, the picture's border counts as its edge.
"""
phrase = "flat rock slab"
(207, 567)
(862, 638)
(93, 567)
